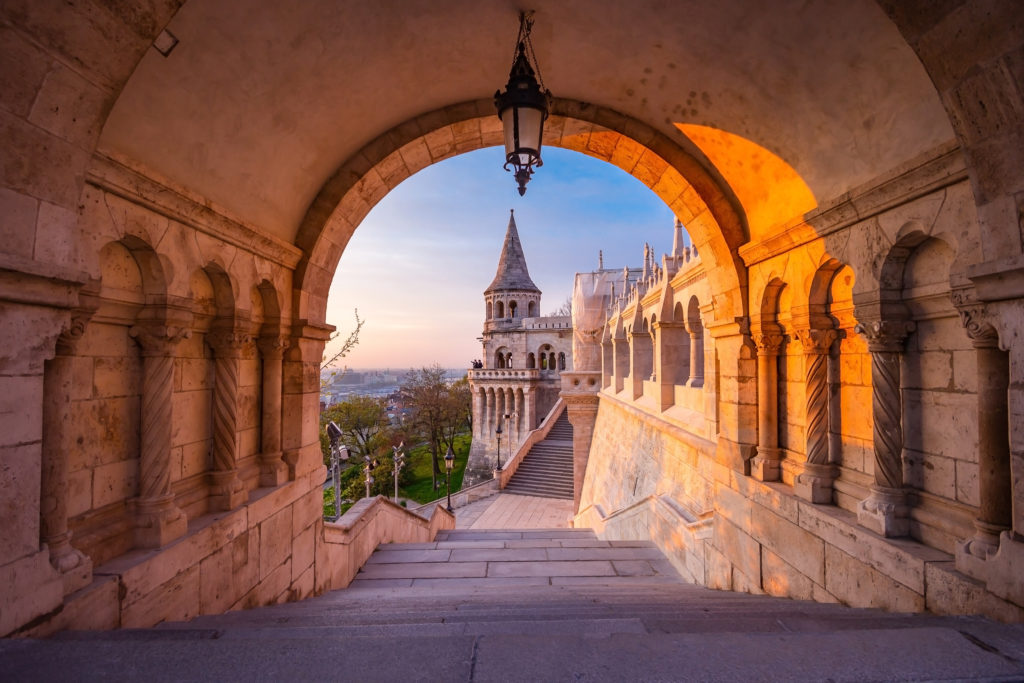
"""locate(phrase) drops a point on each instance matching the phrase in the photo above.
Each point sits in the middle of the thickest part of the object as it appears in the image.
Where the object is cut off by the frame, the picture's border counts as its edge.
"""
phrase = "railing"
(465, 496)
(503, 373)
(350, 541)
(535, 436)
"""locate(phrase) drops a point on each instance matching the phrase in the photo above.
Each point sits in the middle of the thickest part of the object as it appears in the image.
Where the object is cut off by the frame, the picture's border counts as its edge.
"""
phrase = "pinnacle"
(512, 271)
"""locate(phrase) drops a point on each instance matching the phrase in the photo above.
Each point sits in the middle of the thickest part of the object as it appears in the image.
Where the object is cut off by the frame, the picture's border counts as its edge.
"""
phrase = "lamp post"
(398, 459)
(449, 464)
(339, 454)
(497, 432)
(523, 107)
(368, 471)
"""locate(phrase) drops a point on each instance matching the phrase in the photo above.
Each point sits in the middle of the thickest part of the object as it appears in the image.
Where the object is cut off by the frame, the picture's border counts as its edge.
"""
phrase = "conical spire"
(677, 240)
(512, 272)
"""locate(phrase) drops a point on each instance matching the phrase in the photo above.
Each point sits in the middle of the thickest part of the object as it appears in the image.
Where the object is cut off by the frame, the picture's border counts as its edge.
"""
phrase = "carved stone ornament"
(158, 340)
(885, 335)
(72, 333)
(768, 344)
(816, 341)
(273, 347)
(228, 343)
(975, 318)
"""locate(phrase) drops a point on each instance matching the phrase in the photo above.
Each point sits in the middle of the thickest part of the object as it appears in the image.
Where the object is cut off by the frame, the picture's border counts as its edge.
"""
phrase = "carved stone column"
(814, 484)
(488, 427)
(640, 348)
(75, 567)
(765, 465)
(696, 331)
(158, 520)
(620, 349)
(273, 470)
(517, 412)
(227, 491)
(885, 510)
(580, 394)
(994, 488)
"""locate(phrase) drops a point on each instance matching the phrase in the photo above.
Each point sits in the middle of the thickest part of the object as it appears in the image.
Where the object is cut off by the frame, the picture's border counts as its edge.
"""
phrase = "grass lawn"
(419, 460)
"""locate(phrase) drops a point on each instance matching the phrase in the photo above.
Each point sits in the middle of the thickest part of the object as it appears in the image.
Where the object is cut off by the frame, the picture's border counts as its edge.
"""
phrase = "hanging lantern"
(522, 108)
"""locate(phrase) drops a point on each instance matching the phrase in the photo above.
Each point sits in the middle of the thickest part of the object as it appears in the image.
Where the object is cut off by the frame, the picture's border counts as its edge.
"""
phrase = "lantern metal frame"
(524, 90)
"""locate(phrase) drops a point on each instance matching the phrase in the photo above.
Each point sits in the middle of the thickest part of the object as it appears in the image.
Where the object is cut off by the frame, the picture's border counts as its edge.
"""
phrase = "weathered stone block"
(302, 552)
(738, 547)
(79, 491)
(114, 482)
(930, 473)
(19, 501)
(18, 228)
(175, 600)
(930, 370)
(31, 588)
(800, 548)
(781, 579)
(193, 374)
(192, 416)
(217, 590)
(195, 458)
(307, 510)
(950, 592)
(275, 542)
(858, 585)
(115, 376)
(967, 483)
(106, 430)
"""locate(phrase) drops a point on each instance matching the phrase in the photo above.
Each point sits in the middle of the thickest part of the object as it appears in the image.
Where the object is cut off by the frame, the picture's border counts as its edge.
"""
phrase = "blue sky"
(418, 265)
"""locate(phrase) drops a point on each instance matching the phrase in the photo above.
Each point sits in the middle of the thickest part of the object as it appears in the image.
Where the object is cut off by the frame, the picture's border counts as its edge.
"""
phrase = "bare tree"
(564, 309)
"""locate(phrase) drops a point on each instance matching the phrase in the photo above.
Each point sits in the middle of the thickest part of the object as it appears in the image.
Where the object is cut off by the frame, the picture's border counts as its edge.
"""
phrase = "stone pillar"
(639, 360)
(696, 331)
(885, 510)
(158, 520)
(75, 568)
(620, 346)
(273, 470)
(765, 466)
(518, 412)
(227, 492)
(580, 394)
(488, 427)
(994, 488)
(814, 484)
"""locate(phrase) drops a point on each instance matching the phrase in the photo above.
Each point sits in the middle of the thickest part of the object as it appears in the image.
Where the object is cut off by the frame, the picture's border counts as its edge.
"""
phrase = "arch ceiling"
(260, 103)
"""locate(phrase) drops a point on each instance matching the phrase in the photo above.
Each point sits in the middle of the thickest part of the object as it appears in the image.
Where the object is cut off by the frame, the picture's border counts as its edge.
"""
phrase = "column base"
(766, 465)
(814, 484)
(273, 470)
(227, 492)
(158, 521)
(1004, 569)
(73, 565)
(885, 512)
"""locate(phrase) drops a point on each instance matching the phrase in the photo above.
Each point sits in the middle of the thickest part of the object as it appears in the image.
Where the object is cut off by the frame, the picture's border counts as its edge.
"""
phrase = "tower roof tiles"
(512, 272)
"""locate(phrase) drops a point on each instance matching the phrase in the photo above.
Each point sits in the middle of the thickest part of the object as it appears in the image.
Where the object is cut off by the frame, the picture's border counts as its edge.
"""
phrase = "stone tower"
(523, 356)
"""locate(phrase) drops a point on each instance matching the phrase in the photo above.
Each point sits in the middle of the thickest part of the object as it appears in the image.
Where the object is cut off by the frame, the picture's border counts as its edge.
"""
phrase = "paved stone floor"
(532, 605)
(507, 511)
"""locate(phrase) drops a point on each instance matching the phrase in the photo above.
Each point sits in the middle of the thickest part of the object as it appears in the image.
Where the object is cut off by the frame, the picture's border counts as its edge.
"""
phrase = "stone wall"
(862, 432)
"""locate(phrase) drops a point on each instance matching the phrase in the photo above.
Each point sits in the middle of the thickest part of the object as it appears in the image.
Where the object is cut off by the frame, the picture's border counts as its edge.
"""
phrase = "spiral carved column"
(696, 331)
(227, 491)
(74, 566)
(885, 510)
(158, 520)
(815, 482)
(765, 466)
(994, 473)
(273, 470)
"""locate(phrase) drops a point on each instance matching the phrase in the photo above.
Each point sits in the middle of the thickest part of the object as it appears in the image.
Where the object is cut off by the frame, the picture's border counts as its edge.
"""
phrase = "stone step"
(944, 651)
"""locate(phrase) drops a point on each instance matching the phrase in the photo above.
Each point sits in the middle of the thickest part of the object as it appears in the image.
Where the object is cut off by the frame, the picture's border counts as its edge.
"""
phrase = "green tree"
(363, 421)
(437, 410)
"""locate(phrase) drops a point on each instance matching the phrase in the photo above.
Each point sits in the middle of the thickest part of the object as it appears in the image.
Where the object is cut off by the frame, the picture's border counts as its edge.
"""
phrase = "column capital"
(975, 318)
(885, 335)
(816, 341)
(768, 344)
(228, 342)
(158, 340)
(72, 332)
(273, 346)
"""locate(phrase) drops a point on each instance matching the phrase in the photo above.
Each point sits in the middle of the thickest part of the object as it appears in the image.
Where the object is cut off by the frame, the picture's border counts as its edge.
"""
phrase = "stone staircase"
(546, 470)
(532, 605)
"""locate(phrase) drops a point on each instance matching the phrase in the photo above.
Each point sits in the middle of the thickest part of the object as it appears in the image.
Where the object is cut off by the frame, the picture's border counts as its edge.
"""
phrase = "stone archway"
(698, 200)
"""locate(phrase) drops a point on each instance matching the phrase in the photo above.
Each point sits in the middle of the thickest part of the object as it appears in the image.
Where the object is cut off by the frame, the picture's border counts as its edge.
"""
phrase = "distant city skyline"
(417, 266)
